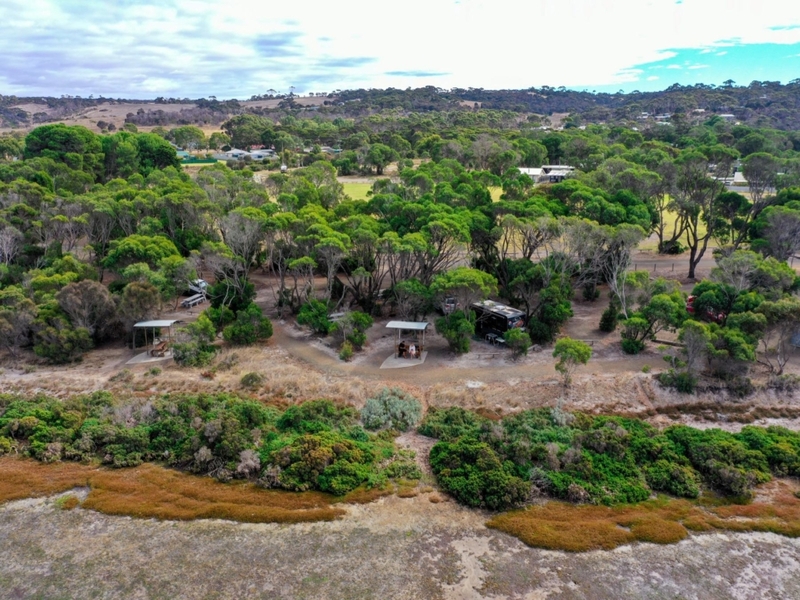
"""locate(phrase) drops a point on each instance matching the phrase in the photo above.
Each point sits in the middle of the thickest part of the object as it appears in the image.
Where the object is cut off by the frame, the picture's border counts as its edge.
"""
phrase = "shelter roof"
(164, 323)
(408, 325)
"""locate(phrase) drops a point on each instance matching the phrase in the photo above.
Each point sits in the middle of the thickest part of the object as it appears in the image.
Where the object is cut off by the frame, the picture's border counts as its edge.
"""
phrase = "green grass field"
(357, 191)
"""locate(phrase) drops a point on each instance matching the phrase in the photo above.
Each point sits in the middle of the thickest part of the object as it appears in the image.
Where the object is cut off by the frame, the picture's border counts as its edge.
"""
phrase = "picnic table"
(159, 349)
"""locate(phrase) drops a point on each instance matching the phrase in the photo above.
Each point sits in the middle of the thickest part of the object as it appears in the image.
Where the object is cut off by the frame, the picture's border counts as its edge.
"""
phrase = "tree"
(140, 301)
(761, 171)
(243, 231)
(622, 242)
(189, 137)
(55, 339)
(778, 232)
(782, 324)
(464, 284)
(16, 318)
(155, 153)
(570, 354)
(89, 305)
(194, 348)
(11, 240)
(139, 248)
(75, 146)
(379, 156)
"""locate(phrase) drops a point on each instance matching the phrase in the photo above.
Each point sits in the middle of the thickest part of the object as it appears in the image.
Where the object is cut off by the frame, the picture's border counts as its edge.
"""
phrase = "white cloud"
(674, 67)
(698, 67)
(653, 78)
(239, 47)
(723, 53)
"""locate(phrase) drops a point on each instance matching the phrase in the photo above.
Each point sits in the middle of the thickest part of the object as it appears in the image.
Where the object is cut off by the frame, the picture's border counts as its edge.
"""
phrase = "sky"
(236, 49)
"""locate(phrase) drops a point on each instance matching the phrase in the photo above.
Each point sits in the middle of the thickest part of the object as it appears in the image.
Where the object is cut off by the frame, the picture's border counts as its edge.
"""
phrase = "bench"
(193, 300)
(405, 353)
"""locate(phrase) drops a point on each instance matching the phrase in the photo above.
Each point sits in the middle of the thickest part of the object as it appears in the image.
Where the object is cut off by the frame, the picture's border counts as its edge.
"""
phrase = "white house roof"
(165, 323)
(408, 325)
(531, 171)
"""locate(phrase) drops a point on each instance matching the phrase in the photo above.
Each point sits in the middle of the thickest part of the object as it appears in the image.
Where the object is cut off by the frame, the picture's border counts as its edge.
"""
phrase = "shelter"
(414, 327)
(156, 345)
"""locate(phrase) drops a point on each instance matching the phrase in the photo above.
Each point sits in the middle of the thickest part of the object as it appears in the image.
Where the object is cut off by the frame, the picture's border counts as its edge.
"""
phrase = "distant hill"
(762, 103)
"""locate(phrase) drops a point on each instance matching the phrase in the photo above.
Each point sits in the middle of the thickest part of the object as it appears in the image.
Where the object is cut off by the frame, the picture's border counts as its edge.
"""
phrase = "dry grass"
(561, 526)
(30, 479)
(149, 491)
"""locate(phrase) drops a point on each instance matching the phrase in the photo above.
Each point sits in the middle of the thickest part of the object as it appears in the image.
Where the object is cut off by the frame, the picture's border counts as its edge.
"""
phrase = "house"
(532, 172)
(555, 173)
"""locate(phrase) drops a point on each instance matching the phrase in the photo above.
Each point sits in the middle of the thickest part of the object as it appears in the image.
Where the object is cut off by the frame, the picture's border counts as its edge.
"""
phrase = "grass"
(357, 191)
(563, 526)
(496, 192)
(150, 491)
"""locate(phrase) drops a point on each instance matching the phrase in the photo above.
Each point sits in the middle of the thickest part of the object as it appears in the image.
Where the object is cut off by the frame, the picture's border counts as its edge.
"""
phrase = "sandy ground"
(393, 548)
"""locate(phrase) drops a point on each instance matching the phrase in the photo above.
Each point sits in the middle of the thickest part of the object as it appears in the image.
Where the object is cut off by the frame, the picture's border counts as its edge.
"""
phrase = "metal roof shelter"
(419, 331)
(157, 324)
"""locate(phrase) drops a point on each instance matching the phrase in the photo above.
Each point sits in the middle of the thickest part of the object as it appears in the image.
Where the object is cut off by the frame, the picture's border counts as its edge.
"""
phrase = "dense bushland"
(598, 460)
(313, 446)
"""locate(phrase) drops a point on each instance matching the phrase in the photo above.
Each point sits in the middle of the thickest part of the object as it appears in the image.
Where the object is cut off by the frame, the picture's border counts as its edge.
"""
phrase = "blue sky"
(235, 48)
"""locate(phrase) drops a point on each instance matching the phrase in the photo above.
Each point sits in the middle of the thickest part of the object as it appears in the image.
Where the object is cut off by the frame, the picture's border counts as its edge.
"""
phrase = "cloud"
(694, 67)
(723, 53)
(192, 48)
(414, 74)
(653, 78)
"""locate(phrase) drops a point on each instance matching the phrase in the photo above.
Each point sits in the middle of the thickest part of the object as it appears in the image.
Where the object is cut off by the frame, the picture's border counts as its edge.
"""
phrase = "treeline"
(762, 103)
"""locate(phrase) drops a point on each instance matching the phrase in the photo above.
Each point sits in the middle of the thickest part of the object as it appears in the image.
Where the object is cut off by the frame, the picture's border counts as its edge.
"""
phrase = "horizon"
(197, 48)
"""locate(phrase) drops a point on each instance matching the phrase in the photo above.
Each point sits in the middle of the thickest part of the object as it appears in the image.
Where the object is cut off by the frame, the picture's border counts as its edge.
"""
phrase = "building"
(555, 173)
(532, 172)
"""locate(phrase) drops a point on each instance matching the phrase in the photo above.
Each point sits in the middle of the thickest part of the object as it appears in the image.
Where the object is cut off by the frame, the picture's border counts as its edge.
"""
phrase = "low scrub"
(313, 446)
(598, 460)
(391, 408)
(562, 526)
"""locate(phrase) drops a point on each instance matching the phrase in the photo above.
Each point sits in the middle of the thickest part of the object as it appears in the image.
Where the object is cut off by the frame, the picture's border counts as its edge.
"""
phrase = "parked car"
(198, 286)
(448, 305)
(712, 314)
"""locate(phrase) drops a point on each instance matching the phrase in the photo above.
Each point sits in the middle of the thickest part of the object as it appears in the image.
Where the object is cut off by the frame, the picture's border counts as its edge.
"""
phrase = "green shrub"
(346, 351)
(631, 346)
(473, 473)
(251, 380)
(678, 480)
(646, 369)
(314, 314)
(249, 327)
(682, 381)
(609, 318)
(518, 341)
(391, 408)
(457, 329)
(451, 423)
(154, 371)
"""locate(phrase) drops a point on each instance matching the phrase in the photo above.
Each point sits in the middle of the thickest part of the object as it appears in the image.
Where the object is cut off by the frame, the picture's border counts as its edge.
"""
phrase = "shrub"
(314, 314)
(249, 327)
(631, 346)
(646, 369)
(154, 371)
(518, 341)
(609, 318)
(472, 472)
(457, 329)
(678, 480)
(391, 408)
(570, 353)
(346, 351)
(251, 380)
(683, 381)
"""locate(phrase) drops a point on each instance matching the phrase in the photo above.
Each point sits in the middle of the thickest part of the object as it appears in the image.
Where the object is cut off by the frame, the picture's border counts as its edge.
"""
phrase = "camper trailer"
(495, 318)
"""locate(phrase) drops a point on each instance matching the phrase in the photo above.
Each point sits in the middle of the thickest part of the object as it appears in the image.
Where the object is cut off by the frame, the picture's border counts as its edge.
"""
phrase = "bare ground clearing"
(392, 548)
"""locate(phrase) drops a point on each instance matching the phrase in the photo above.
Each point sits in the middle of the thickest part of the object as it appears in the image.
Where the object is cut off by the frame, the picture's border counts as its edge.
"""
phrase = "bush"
(457, 329)
(249, 327)
(678, 480)
(391, 408)
(518, 341)
(630, 346)
(472, 472)
(346, 351)
(251, 380)
(314, 314)
(609, 318)
(684, 382)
